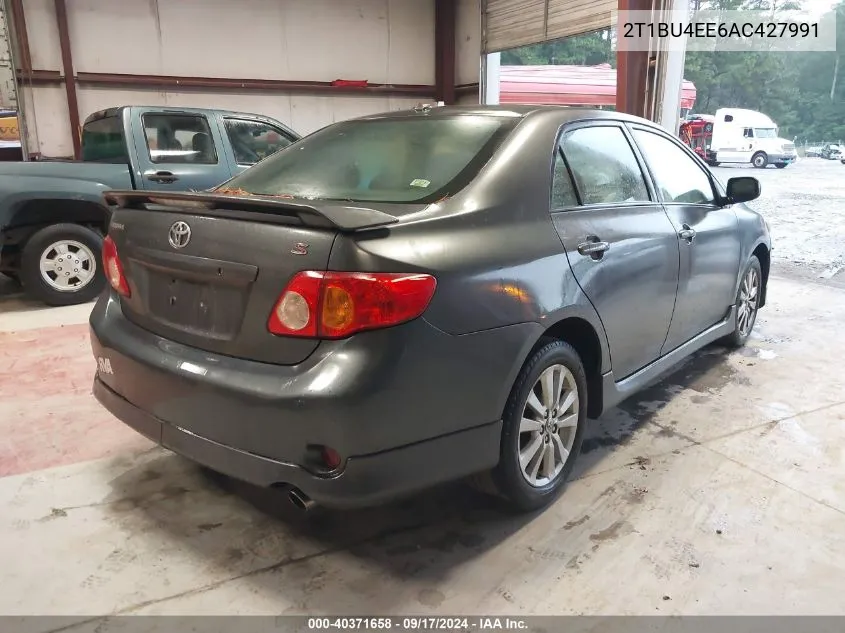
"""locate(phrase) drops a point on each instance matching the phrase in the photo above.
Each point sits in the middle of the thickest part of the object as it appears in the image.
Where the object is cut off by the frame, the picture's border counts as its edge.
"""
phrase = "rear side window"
(179, 138)
(253, 141)
(604, 166)
(563, 192)
(103, 141)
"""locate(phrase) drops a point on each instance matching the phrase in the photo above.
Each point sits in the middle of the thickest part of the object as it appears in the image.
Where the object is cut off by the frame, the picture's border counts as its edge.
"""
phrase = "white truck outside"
(747, 136)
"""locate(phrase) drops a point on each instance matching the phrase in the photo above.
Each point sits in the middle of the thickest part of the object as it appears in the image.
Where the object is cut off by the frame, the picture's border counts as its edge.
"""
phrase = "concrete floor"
(720, 490)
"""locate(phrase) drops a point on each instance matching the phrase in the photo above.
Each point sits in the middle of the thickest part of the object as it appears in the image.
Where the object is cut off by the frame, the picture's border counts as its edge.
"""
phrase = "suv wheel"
(543, 427)
(747, 303)
(61, 265)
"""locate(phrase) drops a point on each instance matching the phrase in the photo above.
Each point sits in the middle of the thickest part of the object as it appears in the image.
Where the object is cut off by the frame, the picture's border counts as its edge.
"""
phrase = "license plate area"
(207, 309)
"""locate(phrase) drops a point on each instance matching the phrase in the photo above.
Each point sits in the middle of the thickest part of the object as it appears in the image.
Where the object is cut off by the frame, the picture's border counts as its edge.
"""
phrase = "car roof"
(563, 113)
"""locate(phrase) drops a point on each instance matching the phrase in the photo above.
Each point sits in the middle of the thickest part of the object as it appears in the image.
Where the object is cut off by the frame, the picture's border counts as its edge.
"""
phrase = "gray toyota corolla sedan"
(416, 297)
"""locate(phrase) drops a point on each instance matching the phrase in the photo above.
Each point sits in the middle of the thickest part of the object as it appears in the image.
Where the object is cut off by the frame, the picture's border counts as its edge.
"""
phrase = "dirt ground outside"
(805, 207)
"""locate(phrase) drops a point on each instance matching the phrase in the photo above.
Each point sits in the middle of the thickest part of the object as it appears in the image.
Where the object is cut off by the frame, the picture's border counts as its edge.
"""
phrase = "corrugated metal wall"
(8, 88)
(383, 41)
(468, 47)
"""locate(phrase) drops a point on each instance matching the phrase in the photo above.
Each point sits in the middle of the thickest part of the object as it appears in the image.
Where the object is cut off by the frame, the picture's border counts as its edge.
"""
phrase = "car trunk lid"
(206, 270)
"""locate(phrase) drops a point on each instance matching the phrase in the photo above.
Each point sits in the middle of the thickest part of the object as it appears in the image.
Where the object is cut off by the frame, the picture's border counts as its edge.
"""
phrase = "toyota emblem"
(180, 235)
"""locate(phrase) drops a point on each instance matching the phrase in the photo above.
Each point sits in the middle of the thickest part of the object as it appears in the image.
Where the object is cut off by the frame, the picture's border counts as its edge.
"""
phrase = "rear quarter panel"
(492, 247)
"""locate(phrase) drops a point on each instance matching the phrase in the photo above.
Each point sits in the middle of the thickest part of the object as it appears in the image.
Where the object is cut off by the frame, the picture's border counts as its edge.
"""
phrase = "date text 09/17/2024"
(418, 623)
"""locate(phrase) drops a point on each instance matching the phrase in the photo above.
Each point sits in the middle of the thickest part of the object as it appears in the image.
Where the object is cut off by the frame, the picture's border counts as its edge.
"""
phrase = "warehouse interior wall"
(381, 41)
(468, 49)
(307, 63)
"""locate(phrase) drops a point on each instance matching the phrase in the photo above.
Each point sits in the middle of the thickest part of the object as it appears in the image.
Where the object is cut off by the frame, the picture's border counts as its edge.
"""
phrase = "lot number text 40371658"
(419, 623)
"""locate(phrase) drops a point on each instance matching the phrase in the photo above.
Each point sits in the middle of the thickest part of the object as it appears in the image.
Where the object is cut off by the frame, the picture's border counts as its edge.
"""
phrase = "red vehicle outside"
(697, 132)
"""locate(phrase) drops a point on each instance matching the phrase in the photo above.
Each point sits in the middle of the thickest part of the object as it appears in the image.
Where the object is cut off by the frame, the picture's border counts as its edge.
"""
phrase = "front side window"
(103, 142)
(401, 160)
(604, 166)
(679, 178)
(748, 132)
(253, 141)
(179, 138)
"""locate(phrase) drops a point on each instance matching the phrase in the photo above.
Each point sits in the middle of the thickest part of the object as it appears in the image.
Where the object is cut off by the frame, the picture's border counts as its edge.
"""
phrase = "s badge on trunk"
(180, 234)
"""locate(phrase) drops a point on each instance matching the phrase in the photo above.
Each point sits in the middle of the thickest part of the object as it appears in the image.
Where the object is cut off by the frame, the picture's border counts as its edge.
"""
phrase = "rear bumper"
(407, 407)
(364, 481)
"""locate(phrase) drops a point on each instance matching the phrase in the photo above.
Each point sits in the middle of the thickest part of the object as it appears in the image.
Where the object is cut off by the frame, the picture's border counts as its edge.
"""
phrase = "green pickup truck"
(52, 215)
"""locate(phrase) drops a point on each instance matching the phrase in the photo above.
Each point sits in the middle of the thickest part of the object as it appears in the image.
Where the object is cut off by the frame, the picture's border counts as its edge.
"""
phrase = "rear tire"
(748, 295)
(60, 265)
(542, 427)
(760, 160)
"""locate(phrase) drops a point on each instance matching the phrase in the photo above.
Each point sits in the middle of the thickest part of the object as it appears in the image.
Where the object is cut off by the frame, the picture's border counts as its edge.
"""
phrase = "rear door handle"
(162, 176)
(687, 233)
(594, 248)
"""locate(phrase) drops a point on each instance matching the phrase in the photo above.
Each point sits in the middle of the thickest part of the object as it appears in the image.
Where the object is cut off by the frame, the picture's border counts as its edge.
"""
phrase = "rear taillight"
(335, 305)
(113, 268)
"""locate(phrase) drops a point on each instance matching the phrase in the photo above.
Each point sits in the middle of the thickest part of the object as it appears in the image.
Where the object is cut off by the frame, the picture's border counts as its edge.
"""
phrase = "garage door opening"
(577, 71)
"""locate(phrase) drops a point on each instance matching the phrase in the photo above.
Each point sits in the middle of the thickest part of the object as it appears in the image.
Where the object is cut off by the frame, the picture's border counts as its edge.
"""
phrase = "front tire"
(542, 427)
(747, 303)
(780, 165)
(760, 160)
(61, 266)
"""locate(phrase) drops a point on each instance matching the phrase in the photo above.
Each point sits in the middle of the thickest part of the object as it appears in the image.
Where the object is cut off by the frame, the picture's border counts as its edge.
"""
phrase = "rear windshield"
(103, 142)
(410, 160)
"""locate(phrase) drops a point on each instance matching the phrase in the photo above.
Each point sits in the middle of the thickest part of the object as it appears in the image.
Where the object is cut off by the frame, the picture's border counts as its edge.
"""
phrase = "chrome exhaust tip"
(300, 500)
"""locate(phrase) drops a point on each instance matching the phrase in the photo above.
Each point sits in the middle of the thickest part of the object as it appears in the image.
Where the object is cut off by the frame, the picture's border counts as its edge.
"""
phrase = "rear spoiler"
(338, 216)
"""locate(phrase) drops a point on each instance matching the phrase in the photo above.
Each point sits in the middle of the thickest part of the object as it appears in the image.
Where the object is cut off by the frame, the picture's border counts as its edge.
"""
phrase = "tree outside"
(803, 92)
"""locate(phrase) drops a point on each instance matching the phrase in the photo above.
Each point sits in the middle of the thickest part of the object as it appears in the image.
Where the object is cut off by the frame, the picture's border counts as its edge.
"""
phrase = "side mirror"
(742, 189)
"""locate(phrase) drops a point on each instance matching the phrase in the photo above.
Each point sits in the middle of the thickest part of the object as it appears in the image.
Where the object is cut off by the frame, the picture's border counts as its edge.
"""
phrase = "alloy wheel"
(749, 292)
(67, 265)
(548, 426)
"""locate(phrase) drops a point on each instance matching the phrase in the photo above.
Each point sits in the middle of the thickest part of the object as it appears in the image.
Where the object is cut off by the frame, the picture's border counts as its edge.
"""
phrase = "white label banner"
(713, 30)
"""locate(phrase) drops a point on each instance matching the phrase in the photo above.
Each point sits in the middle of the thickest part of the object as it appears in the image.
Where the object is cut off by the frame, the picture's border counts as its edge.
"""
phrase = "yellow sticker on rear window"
(420, 182)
